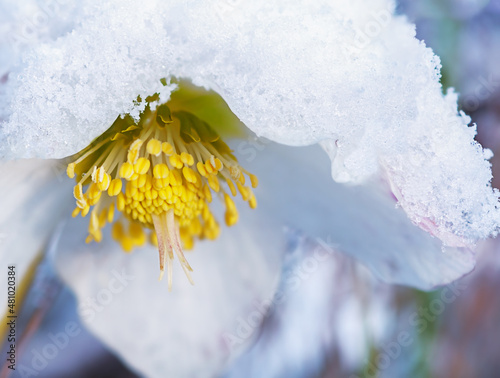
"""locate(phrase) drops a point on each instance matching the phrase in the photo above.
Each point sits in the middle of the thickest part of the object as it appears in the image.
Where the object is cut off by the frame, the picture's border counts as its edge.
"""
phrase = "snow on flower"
(411, 189)
(294, 73)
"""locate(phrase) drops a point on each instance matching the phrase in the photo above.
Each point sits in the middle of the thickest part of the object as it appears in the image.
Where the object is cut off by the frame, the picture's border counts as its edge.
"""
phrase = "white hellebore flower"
(410, 193)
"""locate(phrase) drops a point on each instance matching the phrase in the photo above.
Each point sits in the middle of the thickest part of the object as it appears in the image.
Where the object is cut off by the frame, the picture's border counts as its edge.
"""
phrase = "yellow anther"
(167, 148)
(93, 191)
(141, 181)
(175, 178)
(205, 214)
(138, 196)
(187, 158)
(175, 161)
(126, 170)
(199, 182)
(135, 182)
(213, 181)
(215, 163)
(127, 244)
(231, 215)
(130, 189)
(97, 236)
(241, 179)
(115, 187)
(93, 224)
(103, 216)
(151, 194)
(94, 221)
(81, 203)
(189, 175)
(78, 192)
(195, 227)
(211, 161)
(154, 193)
(136, 233)
(70, 170)
(92, 201)
(229, 203)
(165, 193)
(201, 168)
(254, 180)
(111, 213)
(161, 183)
(76, 212)
(117, 231)
(104, 183)
(208, 194)
(252, 201)
(154, 147)
(133, 151)
(140, 209)
(212, 232)
(149, 182)
(120, 202)
(177, 190)
(231, 187)
(187, 240)
(218, 164)
(231, 218)
(99, 174)
(85, 211)
(160, 171)
(142, 166)
(245, 192)
(209, 168)
(184, 197)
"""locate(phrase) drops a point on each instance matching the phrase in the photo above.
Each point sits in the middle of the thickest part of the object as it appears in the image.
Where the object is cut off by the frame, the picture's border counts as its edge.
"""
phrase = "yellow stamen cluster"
(161, 174)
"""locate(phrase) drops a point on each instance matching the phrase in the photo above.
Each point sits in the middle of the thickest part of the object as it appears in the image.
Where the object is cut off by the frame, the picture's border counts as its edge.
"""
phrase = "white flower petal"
(33, 197)
(361, 221)
(182, 333)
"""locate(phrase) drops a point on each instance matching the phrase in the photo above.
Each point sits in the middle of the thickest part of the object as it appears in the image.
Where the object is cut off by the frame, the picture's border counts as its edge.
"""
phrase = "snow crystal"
(349, 74)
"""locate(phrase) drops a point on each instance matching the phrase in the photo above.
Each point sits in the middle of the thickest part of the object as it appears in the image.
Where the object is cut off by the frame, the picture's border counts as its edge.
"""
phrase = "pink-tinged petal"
(362, 221)
(192, 331)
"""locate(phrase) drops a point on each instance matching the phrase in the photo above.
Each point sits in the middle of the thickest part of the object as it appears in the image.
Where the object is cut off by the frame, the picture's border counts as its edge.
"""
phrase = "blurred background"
(341, 321)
